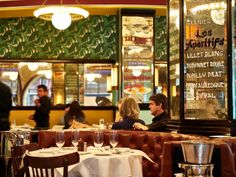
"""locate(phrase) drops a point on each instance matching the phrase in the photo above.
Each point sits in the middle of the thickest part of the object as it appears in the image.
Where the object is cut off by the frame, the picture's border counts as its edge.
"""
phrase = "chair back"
(17, 153)
(44, 166)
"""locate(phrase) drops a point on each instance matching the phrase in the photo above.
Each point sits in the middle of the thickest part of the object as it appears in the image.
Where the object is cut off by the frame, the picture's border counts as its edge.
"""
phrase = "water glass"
(98, 139)
(113, 138)
(75, 138)
(60, 140)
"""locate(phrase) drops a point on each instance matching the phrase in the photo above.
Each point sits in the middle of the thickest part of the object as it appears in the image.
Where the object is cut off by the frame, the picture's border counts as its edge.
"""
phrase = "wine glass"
(75, 138)
(98, 139)
(113, 138)
(60, 140)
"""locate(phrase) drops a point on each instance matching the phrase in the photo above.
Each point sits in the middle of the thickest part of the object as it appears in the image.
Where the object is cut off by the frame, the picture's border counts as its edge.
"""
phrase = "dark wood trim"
(112, 61)
(229, 61)
(62, 108)
(138, 12)
(181, 59)
(168, 56)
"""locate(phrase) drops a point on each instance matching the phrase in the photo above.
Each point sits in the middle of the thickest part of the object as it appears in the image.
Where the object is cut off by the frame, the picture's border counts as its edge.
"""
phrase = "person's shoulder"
(4, 86)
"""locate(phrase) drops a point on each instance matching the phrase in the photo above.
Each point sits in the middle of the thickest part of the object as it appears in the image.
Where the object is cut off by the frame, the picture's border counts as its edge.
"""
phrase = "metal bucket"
(197, 152)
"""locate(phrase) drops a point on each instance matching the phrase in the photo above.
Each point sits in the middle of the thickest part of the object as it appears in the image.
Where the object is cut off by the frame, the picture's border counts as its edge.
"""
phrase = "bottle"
(80, 145)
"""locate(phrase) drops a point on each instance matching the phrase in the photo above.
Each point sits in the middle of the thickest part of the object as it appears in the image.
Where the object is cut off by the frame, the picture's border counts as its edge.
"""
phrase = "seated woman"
(74, 117)
(118, 117)
(129, 112)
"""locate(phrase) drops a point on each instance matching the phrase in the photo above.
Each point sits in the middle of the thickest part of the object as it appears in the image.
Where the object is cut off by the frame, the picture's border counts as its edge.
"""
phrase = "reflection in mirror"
(90, 84)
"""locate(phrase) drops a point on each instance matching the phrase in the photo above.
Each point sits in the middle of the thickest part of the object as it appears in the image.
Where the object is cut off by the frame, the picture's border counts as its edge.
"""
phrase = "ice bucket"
(197, 152)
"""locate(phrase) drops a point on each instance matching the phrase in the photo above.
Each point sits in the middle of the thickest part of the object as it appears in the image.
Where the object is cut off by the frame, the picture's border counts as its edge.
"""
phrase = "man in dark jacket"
(157, 106)
(43, 106)
(5, 106)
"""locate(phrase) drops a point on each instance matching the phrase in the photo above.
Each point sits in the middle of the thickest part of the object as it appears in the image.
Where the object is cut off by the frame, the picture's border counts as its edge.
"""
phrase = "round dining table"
(120, 162)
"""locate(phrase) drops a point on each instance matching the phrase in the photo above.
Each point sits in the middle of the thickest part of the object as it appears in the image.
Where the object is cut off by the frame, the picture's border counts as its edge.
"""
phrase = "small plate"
(46, 151)
(102, 153)
(122, 149)
(68, 148)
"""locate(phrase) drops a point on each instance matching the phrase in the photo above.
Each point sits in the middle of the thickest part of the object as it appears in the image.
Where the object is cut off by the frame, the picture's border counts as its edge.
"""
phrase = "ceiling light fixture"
(61, 15)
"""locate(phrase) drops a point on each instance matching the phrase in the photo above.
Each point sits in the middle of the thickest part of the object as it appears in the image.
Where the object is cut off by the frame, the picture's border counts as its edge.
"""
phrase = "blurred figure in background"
(5, 106)
(74, 115)
(129, 112)
(43, 107)
(118, 117)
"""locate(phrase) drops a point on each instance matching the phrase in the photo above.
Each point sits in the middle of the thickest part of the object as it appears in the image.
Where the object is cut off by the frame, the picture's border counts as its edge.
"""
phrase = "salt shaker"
(85, 146)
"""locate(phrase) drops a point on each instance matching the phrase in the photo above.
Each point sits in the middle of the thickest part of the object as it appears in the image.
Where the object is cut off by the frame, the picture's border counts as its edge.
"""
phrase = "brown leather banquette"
(149, 142)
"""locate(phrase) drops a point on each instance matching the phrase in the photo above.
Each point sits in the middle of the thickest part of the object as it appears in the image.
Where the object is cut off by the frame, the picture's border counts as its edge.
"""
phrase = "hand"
(138, 126)
(31, 117)
(37, 103)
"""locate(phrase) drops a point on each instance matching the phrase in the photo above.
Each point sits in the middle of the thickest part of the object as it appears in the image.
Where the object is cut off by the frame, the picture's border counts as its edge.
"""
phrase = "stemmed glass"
(98, 139)
(75, 138)
(113, 138)
(60, 140)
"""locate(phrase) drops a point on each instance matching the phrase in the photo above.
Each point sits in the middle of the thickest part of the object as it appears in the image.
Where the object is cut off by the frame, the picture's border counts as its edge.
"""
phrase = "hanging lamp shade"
(61, 15)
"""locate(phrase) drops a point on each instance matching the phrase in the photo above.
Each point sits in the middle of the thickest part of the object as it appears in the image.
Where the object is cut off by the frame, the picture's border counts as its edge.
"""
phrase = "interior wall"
(92, 116)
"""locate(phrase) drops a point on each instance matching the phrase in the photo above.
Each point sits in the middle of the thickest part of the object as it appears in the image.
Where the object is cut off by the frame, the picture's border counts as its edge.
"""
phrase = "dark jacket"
(126, 124)
(41, 115)
(159, 123)
(5, 106)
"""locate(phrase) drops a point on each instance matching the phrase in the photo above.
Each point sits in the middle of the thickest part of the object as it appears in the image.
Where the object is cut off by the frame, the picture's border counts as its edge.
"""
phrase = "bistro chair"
(17, 153)
(44, 166)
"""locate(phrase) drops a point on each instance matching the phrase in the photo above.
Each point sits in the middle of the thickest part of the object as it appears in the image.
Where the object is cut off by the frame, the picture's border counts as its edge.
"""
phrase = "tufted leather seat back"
(149, 142)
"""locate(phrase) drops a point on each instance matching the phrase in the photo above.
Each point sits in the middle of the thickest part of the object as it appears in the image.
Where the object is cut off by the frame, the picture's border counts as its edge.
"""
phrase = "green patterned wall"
(91, 38)
(160, 38)
(32, 38)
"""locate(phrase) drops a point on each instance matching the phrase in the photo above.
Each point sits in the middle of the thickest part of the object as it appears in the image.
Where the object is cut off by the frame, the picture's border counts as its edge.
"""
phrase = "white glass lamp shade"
(33, 66)
(61, 20)
(137, 72)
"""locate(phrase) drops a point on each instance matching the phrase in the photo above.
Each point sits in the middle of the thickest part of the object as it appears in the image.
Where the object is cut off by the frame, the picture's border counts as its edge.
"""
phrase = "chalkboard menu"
(205, 59)
(58, 84)
(71, 80)
(137, 57)
(174, 58)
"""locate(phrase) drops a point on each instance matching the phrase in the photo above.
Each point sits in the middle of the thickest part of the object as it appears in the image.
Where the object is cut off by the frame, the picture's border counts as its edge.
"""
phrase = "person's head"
(157, 104)
(75, 110)
(42, 91)
(129, 108)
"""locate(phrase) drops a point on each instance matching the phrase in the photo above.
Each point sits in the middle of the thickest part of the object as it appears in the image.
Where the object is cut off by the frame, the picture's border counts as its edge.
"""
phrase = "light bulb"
(33, 66)
(137, 72)
(61, 20)
(13, 76)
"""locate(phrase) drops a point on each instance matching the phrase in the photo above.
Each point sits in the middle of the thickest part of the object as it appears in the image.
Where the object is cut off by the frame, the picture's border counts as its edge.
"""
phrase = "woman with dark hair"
(74, 114)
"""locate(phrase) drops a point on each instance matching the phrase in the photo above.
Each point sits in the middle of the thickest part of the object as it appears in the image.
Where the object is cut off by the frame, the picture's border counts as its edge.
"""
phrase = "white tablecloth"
(127, 164)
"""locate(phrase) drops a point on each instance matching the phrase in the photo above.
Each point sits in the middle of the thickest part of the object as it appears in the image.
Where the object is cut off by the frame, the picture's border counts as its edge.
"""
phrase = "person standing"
(43, 106)
(5, 106)
(157, 106)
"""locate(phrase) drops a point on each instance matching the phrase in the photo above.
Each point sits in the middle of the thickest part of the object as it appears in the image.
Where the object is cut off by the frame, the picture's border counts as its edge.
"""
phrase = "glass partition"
(137, 57)
(90, 84)
(205, 59)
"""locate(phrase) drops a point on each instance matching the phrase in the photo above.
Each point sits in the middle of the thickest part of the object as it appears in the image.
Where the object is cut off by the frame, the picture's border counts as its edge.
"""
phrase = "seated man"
(158, 106)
